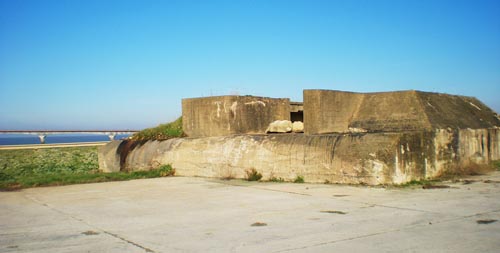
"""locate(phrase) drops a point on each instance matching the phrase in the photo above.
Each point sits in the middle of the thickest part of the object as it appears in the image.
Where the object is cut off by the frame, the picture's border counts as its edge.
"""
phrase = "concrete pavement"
(181, 214)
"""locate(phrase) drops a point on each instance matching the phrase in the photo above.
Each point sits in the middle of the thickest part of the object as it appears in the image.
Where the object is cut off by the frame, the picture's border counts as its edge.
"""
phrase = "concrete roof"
(337, 111)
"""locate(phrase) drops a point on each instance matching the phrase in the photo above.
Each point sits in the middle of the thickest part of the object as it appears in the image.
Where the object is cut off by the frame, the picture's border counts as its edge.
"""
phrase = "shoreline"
(53, 145)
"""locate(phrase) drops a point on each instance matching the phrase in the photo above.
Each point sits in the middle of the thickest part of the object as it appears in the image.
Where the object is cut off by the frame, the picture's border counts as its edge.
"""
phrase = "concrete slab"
(197, 214)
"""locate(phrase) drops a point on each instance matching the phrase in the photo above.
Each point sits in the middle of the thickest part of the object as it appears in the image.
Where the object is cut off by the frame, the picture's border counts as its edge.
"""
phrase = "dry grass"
(253, 175)
(227, 173)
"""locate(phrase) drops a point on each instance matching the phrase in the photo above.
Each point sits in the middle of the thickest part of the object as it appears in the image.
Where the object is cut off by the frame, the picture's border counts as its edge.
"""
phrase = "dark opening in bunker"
(297, 116)
(296, 111)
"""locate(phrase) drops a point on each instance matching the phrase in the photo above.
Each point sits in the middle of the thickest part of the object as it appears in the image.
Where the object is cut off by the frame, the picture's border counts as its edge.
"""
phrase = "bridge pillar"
(42, 138)
(111, 136)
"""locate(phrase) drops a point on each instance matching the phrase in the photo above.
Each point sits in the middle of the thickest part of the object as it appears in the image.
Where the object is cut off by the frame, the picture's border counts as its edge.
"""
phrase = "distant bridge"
(43, 133)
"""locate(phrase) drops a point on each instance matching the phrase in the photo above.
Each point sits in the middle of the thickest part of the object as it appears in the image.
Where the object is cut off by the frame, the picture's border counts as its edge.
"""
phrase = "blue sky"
(127, 64)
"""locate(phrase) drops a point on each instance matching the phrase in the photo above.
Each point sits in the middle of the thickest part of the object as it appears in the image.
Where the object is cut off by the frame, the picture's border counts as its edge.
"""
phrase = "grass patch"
(299, 180)
(66, 178)
(60, 166)
(161, 132)
(277, 179)
(228, 177)
(16, 163)
(253, 175)
(227, 174)
(421, 182)
(496, 164)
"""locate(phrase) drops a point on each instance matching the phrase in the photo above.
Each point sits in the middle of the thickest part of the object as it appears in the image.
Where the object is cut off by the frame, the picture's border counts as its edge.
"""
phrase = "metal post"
(111, 136)
(42, 138)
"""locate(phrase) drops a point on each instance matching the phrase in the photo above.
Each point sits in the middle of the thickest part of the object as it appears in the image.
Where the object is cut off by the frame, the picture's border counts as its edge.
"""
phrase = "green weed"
(276, 179)
(253, 175)
(161, 132)
(496, 164)
(414, 182)
(299, 179)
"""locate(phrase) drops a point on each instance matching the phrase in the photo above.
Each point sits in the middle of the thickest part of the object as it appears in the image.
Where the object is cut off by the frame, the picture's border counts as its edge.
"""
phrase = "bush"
(166, 171)
(299, 179)
(253, 175)
(227, 174)
(496, 164)
(277, 179)
(161, 132)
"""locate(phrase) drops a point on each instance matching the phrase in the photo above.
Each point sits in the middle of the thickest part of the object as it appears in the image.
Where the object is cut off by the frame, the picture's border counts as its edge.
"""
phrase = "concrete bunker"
(330, 111)
(369, 138)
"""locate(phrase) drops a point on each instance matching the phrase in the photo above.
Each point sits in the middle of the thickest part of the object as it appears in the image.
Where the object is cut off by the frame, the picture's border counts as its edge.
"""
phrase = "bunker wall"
(226, 115)
(368, 158)
(327, 111)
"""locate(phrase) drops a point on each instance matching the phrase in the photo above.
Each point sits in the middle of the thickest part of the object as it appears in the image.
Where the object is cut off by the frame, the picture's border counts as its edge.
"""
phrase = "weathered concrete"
(368, 158)
(109, 157)
(368, 138)
(226, 115)
(328, 111)
(199, 215)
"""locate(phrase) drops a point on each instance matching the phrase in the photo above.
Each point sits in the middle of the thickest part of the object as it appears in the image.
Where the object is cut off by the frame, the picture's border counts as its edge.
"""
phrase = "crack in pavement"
(336, 241)
(32, 198)
(392, 207)
(274, 190)
(388, 231)
(128, 241)
(452, 219)
(344, 199)
(263, 188)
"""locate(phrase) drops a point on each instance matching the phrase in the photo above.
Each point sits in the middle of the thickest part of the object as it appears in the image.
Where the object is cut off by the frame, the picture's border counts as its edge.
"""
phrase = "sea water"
(20, 139)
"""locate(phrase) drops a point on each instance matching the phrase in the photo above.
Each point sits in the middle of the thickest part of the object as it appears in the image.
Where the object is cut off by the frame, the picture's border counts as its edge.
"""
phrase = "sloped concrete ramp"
(329, 111)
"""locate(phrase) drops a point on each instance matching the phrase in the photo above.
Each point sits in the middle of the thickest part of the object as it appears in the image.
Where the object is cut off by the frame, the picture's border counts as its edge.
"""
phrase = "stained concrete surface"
(330, 111)
(355, 158)
(226, 115)
(181, 214)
